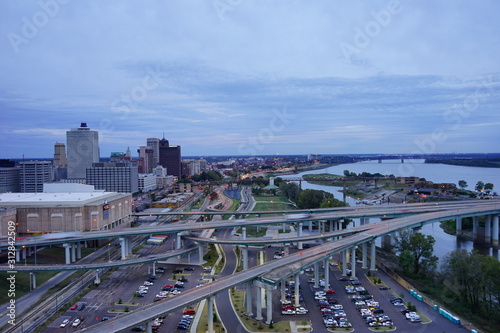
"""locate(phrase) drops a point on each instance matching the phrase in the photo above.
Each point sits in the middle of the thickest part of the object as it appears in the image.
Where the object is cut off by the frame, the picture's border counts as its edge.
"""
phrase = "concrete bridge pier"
(249, 299)
(287, 250)
(327, 274)
(73, 252)
(18, 255)
(269, 299)
(200, 253)
(258, 301)
(210, 314)
(282, 292)
(387, 243)
(495, 230)
(97, 277)
(297, 285)
(458, 222)
(316, 275)
(344, 263)
(373, 253)
(475, 224)
(487, 230)
(124, 246)
(23, 253)
(32, 281)
(67, 253)
(244, 233)
(299, 234)
(78, 250)
(353, 262)
(364, 250)
(245, 257)
(178, 241)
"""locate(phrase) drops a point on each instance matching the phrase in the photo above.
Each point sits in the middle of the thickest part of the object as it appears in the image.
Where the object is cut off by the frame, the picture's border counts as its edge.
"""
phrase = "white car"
(147, 283)
(64, 323)
(288, 312)
(76, 322)
(301, 310)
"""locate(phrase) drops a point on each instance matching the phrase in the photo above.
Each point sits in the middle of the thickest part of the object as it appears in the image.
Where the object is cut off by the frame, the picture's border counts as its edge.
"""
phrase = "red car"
(74, 307)
(330, 291)
(189, 312)
(288, 307)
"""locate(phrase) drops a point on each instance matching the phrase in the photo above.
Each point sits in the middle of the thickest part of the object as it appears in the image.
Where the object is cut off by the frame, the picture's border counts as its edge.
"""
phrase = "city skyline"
(251, 77)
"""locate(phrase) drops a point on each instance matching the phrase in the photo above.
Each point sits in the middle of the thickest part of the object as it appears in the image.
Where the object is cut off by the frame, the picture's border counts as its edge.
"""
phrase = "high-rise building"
(60, 155)
(9, 177)
(34, 174)
(83, 150)
(146, 159)
(113, 177)
(170, 158)
(154, 143)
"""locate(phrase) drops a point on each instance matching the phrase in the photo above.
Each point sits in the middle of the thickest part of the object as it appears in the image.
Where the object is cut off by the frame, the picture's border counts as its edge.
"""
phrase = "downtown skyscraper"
(82, 150)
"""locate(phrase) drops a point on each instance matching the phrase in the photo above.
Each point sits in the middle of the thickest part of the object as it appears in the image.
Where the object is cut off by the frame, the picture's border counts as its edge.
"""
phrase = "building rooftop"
(47, 199)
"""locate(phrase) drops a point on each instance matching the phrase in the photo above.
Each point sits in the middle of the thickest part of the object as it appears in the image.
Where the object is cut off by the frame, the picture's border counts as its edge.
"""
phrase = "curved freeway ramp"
(275, 271)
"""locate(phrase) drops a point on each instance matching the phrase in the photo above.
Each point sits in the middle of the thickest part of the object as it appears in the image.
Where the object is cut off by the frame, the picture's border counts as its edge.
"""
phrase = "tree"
(332, 202)
(488, 187)
(462, 184)
(312, 198)
(416, 252)
(479, 186)
(290, 190)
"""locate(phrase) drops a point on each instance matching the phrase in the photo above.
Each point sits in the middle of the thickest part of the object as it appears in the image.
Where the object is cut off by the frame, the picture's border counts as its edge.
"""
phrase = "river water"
(438, 173)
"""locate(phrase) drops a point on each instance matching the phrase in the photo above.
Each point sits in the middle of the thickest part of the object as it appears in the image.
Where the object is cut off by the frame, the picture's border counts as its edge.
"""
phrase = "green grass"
(238, 299)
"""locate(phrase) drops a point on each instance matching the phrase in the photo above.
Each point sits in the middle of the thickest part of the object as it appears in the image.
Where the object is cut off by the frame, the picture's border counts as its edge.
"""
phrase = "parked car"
(76, 322)
(64, 323)
(74, 307)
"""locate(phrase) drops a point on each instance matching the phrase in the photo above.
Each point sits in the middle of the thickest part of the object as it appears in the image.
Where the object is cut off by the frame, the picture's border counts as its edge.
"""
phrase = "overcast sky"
(243, 77)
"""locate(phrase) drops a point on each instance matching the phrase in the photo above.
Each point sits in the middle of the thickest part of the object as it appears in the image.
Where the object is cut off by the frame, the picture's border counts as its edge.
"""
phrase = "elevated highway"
(382, 211)
(275, 271)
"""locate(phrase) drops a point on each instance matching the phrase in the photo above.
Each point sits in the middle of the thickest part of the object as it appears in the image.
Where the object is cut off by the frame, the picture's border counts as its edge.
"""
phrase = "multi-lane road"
(277, 271)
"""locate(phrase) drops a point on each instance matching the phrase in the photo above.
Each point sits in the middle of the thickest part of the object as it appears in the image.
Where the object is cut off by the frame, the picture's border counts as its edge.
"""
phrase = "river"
(438, 173)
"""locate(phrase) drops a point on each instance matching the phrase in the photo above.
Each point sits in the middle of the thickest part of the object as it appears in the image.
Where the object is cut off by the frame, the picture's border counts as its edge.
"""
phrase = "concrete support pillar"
(97, 277)
(310, 226)
(269, 316)
(154, 268)
(78, 250)
(244, 233)
(332, 228)
(245, 257)
(297, 286)
(487, 229)
(73, 252)
(299, 234)
(364, 250)
(178, 241)
(373, 253)
(200, 253)
(316, 275)
(149, 327)
(210, 314)
(18, 255)
(494, 228)
(123, 247)
(327, 274)
(283, 292)
(475, 224)
(258, 301)
(459, 226)
(344, 263)
(248, 295)
(23, 253)
(287, 250)
(30, 251)
(33, 280)
(387, 243)
(67, 253)
(353, 262)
